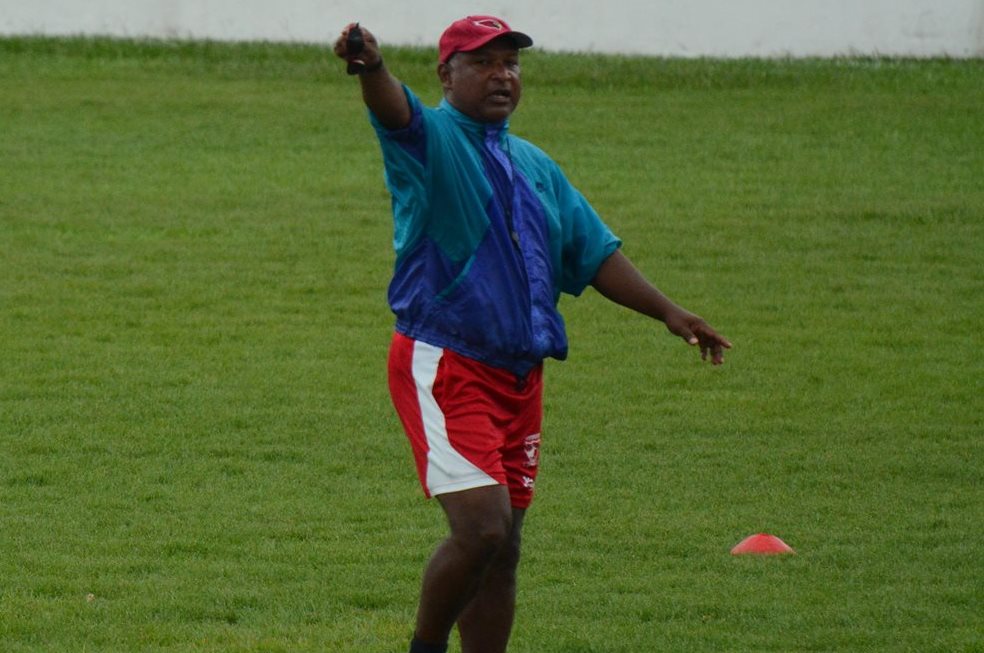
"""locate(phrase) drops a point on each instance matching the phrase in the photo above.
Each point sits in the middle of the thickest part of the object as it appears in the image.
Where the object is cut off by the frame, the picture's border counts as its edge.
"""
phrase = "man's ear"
(444, 74)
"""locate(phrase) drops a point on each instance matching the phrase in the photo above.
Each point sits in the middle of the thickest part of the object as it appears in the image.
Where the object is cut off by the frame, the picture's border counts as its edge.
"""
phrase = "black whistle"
(354, 45)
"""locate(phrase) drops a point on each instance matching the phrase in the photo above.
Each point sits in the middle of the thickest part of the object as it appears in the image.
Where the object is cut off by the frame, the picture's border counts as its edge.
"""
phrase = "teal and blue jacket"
(488, 232)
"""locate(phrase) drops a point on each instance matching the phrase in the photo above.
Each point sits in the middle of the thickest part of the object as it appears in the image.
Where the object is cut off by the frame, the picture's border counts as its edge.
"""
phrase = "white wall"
(656, 27)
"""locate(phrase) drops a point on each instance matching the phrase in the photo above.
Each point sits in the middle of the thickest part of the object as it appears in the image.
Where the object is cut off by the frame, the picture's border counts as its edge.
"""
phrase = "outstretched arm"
(621, 282)
(381, 91)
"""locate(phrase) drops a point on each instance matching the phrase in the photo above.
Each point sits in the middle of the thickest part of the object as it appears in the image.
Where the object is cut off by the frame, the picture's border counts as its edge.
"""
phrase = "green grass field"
(197, 451)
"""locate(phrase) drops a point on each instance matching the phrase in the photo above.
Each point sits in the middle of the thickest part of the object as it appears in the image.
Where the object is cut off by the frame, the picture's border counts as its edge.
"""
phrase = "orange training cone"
(761, 544)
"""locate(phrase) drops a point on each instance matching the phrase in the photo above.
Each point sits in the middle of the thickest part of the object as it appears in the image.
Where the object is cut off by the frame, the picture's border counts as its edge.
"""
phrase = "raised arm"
(621, 282)
(381, 91)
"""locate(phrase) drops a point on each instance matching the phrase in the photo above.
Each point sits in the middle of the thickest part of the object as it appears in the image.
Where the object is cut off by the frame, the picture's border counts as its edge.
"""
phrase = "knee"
(507, 556)
(481, 522)
(488, 536)
(486, 539)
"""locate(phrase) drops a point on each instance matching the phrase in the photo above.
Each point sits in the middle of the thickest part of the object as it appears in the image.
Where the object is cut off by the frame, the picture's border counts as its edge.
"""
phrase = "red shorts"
(469, 424)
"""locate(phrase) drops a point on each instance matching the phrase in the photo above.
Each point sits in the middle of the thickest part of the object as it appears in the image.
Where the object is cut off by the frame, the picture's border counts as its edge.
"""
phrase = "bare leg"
(481, 522)
(485, 623)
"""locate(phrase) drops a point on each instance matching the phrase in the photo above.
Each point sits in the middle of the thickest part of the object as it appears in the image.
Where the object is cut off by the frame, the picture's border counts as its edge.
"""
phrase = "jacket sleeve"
(587, 240)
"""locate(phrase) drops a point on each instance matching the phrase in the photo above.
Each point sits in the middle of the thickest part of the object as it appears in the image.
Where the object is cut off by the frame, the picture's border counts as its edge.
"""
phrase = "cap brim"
(521, 40)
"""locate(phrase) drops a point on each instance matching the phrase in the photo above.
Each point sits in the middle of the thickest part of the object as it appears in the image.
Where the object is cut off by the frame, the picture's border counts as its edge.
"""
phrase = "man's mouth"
(501, 95)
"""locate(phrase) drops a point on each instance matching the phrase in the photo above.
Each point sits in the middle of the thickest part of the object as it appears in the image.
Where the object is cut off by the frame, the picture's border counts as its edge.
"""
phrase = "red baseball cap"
(472, 32)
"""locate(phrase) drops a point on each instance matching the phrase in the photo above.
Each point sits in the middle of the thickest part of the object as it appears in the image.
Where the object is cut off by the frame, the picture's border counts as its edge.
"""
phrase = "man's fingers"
(699, 333)
(344, 42)
(712, 343)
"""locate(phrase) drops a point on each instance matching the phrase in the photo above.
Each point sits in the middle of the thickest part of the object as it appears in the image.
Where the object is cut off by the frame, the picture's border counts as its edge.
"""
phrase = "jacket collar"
(473, 126)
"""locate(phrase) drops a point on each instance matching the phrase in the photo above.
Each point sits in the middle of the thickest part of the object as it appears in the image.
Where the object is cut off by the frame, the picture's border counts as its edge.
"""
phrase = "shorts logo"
(532, 448)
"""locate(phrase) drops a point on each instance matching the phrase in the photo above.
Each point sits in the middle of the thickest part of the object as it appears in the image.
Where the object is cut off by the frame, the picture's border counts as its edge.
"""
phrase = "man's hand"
(697, 332)
(381, 91)
(620, 281)
(367, 56)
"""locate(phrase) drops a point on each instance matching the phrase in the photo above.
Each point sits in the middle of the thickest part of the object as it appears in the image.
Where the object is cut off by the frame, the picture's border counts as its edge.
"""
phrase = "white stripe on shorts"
(447, 470)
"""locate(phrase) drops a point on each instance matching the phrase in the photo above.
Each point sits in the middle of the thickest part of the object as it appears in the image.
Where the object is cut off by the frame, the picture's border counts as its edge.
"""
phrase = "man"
(488, 233)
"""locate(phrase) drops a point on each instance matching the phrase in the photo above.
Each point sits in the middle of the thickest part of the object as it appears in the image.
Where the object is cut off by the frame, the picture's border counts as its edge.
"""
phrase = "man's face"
(484, 84)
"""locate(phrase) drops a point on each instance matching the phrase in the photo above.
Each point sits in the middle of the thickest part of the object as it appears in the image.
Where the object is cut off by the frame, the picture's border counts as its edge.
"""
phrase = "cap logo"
(490, 23)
